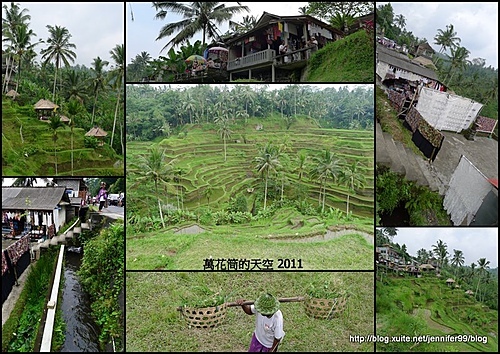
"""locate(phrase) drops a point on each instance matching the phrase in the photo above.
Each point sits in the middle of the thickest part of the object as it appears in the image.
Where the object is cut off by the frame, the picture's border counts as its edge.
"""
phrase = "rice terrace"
(279, 176)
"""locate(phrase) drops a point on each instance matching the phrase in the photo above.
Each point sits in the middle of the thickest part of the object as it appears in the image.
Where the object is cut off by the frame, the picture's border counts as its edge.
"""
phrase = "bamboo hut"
(97, 133)
(45, 109)
(12, 94)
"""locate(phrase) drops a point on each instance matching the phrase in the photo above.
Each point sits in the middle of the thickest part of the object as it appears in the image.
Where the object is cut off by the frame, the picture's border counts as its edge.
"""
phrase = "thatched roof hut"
(449, 281)
(45, 108)
(64, 119)
(97, 132)
(469, 292)
(426, 266)
(12, 93)
(45, 105)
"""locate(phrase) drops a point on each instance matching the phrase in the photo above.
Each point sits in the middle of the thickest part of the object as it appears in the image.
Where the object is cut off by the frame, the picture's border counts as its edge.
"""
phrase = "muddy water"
(82, 334)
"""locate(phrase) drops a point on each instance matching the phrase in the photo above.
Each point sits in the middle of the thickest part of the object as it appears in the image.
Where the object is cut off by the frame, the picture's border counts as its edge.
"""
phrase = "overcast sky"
(95, 28)
(474, 242)
(476, 24)
(144, 29)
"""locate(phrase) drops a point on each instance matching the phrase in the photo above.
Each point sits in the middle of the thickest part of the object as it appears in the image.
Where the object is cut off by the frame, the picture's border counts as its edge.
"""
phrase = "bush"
(90, 142)
(238, 204)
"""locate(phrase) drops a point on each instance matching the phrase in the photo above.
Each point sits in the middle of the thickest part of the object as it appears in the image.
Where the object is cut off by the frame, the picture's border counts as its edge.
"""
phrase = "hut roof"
(33, 198)
(64, 118)
(469, 292)
(449, 280)
(426, 266)
(45, 104)
(96, 131)
(12, 93)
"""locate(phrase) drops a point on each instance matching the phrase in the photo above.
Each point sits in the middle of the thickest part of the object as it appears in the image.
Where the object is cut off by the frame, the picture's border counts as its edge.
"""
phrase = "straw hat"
(267, 304)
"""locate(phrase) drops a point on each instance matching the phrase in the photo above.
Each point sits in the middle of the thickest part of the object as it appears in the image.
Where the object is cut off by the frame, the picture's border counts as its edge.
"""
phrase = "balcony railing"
(262, 57)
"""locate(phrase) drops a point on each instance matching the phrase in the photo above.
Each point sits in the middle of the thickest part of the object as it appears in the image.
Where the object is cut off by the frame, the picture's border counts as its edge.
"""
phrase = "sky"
(474, 242)
(144, 29)
(476, 24)
(95, 28)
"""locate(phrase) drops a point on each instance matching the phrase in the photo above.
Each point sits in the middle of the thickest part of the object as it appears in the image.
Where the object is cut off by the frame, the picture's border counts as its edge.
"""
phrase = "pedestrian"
(102, 196)
(268, 331)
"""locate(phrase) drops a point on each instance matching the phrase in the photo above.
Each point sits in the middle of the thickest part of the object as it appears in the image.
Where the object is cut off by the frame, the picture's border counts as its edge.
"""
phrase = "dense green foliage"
(102, 276)
(20, 331)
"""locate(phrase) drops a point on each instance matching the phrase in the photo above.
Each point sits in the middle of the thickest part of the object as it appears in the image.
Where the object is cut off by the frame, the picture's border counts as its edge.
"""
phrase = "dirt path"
(426, 313)
(328, 235)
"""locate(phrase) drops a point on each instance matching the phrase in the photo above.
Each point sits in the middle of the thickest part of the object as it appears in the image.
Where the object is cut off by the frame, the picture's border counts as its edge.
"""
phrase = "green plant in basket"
(328, 289)
(202, 296)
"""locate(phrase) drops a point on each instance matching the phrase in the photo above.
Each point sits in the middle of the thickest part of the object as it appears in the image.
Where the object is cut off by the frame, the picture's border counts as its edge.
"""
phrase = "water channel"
(82, 334)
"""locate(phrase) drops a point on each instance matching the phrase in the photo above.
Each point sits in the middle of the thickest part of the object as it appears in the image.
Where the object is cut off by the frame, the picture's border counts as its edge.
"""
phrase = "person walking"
(268, 331)
(102, 196)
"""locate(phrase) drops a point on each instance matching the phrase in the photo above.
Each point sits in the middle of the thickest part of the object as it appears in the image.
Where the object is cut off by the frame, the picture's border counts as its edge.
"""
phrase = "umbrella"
(196, 58)
(218, 49)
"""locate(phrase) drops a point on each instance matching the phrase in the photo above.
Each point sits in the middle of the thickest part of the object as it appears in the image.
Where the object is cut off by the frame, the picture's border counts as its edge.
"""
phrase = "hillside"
(350, 59)
(199, 153)
(427, 306)
(227, 221)
(28, 148)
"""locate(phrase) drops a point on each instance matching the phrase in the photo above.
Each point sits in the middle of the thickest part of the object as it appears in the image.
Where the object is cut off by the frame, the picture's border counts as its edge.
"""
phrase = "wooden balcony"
(263, 57)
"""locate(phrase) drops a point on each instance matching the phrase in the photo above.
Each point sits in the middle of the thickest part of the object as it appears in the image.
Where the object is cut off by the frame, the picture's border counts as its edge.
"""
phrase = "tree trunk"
(116, 114)
(54, 89)
(161, 213)
(224, 148)
(93, 110)
(265, 192)
(347, 203)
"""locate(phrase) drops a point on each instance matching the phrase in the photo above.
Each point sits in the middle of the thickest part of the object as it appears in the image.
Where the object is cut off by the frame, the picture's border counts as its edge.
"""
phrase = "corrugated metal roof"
(33, 198)
(401, 61)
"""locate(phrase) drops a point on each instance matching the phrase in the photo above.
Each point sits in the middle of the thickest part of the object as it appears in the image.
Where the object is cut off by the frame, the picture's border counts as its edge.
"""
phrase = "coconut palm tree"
(13, 17)
(440, 250)
(98, 81)
(54, 124)
(457, 260)
(59, 50)
(267, 162)
(326, 166)
(225, 133)
(400, 21)
(197, 16)
(152, 167)
(459, 61)
(446, 39)
(118, 56)
(352, 177)
(208, 193)
(482, 264)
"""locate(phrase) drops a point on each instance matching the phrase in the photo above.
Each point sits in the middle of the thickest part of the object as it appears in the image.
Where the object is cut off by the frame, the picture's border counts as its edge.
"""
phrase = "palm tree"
(302, 160)
(54, 124)
(440, 251)
(458, 260)
(12, 18)
(458, 59)
(446, 39)
(59, 50)
(353, 178)
(75, 85)
(98, 81)
(225, 133)
(267, 161)
(208, 193)
(482, 264)
(400, 21)
(197, 16)
(153, 168)
(248, 23)
(118, 56)
(327, 166)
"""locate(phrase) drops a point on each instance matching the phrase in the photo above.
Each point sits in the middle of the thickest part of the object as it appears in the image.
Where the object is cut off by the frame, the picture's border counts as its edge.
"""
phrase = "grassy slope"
(155, 296)
(39, 147)
(451, 312)
(348, 60)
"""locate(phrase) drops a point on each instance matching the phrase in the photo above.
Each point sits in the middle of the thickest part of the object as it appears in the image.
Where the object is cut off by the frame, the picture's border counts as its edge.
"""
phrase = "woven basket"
(325, 308)
(204, 317)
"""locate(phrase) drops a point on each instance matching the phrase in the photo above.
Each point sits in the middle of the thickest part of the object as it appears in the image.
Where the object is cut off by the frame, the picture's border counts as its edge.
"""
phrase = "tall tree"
(225, 133)
(457, 260)
(327, 166)
(447, 38)
(441, 252)
(98, 81)
(153, 167)
(13, 17)
(54, 124)
(352, 177)
(267, 162)
(482, 264)
(118, 56)
(197, 16)
(59, 50)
